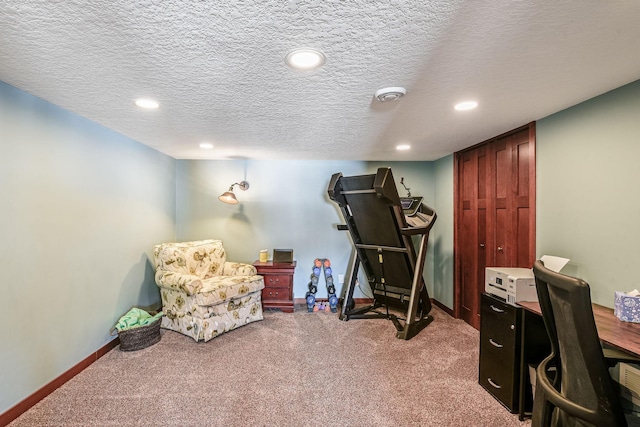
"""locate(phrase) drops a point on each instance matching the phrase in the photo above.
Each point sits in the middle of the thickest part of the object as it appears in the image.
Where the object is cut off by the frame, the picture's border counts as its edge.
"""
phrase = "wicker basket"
(140, 337)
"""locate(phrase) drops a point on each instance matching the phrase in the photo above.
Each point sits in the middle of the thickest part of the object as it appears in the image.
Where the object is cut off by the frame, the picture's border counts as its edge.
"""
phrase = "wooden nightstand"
(278, 284)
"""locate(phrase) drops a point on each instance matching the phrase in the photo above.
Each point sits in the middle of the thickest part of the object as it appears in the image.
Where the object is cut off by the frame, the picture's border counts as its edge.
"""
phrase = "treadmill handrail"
(412, 231)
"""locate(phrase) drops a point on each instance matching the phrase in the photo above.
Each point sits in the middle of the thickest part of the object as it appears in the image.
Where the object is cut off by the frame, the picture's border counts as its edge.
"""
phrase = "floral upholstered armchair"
(203, 294)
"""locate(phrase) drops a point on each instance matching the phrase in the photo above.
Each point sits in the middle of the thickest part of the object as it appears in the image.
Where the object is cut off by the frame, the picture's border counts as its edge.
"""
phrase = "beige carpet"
(300, 369)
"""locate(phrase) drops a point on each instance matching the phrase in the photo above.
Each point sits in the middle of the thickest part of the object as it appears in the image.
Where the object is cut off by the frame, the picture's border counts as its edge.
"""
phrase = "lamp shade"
(228, 197)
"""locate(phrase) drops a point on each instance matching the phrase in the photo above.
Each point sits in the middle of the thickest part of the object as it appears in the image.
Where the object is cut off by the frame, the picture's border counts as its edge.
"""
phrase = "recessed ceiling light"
(466, 105)
(403, 147)
(147, 103)
(206, 145)
(305, 59)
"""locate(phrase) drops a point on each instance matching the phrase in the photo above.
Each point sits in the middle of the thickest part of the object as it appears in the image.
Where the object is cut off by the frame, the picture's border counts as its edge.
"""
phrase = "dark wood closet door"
(473, 168)
(494, 213)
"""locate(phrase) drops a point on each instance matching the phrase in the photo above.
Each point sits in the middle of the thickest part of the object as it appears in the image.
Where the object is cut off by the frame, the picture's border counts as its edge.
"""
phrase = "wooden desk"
(612, 331)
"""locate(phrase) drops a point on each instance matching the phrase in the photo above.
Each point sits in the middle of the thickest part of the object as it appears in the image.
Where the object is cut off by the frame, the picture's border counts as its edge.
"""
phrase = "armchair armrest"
(238, 269)
(188, 283)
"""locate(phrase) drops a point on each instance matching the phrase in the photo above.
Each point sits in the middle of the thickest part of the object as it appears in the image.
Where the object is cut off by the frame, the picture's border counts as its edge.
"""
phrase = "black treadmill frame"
(418, 303)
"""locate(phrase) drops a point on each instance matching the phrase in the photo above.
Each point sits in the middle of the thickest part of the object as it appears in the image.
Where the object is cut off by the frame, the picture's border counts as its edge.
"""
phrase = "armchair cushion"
(204, 258)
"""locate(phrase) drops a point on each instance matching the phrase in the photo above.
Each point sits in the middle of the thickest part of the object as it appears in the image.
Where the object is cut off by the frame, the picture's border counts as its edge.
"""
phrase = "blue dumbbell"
(311, 301)
(333, 303)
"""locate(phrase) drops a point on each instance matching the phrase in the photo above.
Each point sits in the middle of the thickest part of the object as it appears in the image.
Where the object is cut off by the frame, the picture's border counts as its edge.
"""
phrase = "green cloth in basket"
(135, 318)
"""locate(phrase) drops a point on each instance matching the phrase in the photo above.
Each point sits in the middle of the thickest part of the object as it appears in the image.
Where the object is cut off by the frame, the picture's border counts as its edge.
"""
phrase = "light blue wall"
(81, 207)
(588, 204)
(443, 249)
(286, 207)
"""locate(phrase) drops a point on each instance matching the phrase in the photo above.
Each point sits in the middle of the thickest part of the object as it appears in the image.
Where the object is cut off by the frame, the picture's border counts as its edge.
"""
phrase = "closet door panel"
(524, 198)
(483, 257)
(523, 253)
(502, 245)
(468, 172)
(502, 221)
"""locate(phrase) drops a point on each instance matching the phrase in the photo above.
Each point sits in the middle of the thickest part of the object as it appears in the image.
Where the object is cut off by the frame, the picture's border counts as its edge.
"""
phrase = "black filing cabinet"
(500, 343)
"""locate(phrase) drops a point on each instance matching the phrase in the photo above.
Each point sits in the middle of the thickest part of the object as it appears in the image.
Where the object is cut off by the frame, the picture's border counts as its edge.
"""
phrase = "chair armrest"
(187, 283)
(558, 400)
(238, 269)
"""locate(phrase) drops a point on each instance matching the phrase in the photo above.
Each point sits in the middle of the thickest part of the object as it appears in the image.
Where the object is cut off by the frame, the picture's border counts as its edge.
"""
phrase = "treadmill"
(382, 226)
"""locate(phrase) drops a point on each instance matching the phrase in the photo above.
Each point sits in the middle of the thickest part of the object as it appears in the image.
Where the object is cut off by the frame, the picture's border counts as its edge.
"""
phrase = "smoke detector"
(389, 94)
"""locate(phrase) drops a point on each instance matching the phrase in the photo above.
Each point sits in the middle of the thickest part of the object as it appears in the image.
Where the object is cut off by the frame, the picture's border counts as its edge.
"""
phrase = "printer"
(511, 284)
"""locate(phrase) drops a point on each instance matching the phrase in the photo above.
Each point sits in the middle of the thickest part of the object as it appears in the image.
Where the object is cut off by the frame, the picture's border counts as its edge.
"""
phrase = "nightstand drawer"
(276, 293)
(272, 280)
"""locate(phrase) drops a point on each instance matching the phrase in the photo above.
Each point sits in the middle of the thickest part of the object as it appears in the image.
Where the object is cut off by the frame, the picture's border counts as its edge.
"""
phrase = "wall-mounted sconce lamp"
(229, 197)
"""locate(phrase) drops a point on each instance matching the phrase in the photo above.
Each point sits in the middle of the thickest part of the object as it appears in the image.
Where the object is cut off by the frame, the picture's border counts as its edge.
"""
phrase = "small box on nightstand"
(283, 255)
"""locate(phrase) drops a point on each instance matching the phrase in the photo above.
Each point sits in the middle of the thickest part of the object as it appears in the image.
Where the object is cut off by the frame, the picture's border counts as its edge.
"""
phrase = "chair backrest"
(203, 258)
(584, 378)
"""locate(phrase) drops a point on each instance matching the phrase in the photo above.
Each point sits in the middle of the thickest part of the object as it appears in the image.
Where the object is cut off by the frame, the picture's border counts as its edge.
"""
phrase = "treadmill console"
(410, 205)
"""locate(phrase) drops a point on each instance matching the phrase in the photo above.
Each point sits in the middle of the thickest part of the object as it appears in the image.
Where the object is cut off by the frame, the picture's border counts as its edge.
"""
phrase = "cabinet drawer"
(500, 382)
(498, 339)
(273, 293)
(274, 280)
(499, 324)
(491, 349)
(498, 310)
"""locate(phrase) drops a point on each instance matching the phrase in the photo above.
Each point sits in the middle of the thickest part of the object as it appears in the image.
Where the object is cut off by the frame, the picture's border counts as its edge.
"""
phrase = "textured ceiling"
(217, 69)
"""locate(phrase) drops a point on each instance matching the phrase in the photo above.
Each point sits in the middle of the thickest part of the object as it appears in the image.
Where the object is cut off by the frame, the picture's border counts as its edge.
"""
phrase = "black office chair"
(573, 384)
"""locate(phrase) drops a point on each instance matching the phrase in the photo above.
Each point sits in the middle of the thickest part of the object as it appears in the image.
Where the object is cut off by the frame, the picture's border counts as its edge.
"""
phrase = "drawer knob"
(493, 384)
(496, 309)
(495, 344)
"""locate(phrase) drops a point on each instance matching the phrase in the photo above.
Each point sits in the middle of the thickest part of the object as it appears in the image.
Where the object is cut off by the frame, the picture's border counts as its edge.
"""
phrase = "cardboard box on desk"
(627, 307)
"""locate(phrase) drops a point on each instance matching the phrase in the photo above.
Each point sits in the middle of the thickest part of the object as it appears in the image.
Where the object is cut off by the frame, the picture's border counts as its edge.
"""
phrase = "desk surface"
(624, 336)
